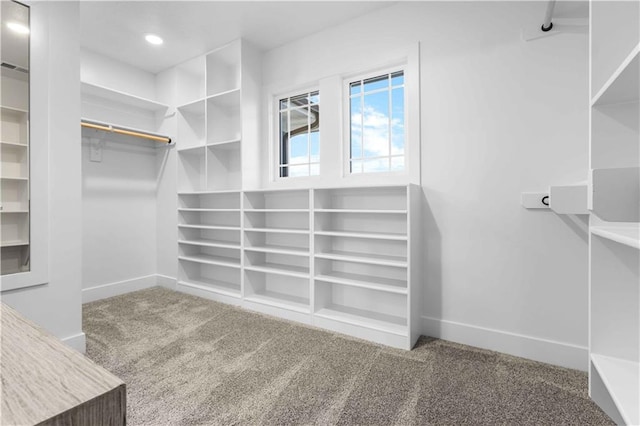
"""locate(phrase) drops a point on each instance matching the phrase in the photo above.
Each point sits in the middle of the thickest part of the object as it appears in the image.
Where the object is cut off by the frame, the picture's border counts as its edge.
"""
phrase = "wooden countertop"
(45, 382)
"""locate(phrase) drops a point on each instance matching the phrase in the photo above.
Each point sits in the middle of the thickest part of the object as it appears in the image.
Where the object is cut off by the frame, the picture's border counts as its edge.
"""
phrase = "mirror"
(14, 138)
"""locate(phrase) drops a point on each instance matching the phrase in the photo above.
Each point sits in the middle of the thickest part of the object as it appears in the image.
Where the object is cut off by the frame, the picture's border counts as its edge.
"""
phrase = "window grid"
(394, 161)
(290, 110)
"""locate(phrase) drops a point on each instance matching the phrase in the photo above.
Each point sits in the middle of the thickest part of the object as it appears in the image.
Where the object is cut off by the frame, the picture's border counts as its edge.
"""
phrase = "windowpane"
(397, 163)
(397, 121)
(377, 165)
(315, 146)
(356, 127)
(376, 83)
(355, 88)
(377, 120)
(299, 134)
(375, 137)
(397, 79)
(314, 169)
(297, 171)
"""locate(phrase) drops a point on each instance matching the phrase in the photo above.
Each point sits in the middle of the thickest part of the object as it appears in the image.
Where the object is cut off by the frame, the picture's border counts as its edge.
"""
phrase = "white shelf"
(365, 281)
(293, 251)
(13, 109)
(210, 243)
(280, 300)
(212, 260)
(623, 86)
(278, 230)
(366, 319)
(210, 227)
(14, 144)
(227, 98)
(367, 211)
(622, 380)
(199, 210)
(14, 243)
(196, 108)
(14, 211)
(373, 259)
(370, 235)
(121, 97)
(191, 150)
(220, 191)
(280, 269)
(276, 210)
(215, 286)
(629, 234)
(228, 142)
(14, 178)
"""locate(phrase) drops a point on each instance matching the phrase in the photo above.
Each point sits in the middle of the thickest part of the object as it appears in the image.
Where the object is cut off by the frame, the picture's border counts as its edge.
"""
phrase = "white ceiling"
(117, 28)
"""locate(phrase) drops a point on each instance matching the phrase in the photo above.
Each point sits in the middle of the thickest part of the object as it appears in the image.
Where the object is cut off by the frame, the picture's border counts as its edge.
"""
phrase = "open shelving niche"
(14, 173)
(614, 241)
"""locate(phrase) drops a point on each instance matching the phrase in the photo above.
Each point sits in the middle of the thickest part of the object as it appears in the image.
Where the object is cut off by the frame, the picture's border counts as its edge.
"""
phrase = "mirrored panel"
(14, 139)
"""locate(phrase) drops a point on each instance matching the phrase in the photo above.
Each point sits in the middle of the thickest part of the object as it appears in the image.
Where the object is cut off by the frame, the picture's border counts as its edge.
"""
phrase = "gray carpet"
(190, 361)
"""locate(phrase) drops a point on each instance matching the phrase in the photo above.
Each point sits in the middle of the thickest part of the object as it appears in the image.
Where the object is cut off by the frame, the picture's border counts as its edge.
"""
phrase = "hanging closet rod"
(123, 131)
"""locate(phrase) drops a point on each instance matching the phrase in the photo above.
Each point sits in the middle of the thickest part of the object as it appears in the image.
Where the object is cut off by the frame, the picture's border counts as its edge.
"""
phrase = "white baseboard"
(548, 351)
(77, 342)
(166, 282)
(121, 287)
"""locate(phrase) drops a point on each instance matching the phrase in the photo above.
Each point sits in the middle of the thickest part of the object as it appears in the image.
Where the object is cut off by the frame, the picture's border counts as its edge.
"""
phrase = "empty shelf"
(211, 227)
(374, 259)
(121, 97)
(216, 286)
(276, 210)
(14, 144)
(14, 243)
(280, 300)
(212, 260)
(628, 235)
(374, 211)
(364, 281)
(294, 251)
(211, 243)
(199, 210)
(622, 380)
(225, 142)
(279, 230)
(280, 269)
(367, 319)
(371, 235)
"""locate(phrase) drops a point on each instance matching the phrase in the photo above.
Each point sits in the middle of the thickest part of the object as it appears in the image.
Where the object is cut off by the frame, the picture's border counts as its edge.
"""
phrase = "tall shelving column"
(614, 241)
(212, 101)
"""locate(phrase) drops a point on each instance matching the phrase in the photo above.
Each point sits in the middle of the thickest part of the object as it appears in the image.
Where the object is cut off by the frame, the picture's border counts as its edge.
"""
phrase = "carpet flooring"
(191, 361)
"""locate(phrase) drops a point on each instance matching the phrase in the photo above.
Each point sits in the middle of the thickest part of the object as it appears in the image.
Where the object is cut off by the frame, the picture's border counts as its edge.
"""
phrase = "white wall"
(123, 238)
(498, 116)
(56, 305)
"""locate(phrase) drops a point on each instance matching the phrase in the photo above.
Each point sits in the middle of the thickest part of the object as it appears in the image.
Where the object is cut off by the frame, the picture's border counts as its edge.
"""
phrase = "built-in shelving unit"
(14, 173)
(614, 192)
(267, 250)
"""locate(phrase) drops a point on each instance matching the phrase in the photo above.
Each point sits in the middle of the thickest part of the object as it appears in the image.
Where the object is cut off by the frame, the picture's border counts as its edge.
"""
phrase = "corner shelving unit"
(614, 192)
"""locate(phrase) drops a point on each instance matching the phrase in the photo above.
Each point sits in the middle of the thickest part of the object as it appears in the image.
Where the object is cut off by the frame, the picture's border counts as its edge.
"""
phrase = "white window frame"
(347, 121)
(409, 63)
(275, 134)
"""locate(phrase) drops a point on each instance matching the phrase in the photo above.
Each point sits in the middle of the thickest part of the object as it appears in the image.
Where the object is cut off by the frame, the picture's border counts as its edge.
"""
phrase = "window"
(377, 123)
(299, 135)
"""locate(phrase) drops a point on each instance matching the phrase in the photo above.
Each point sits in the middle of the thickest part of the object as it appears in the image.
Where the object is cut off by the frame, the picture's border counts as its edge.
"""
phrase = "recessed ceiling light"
(153, 39)
(18, 28)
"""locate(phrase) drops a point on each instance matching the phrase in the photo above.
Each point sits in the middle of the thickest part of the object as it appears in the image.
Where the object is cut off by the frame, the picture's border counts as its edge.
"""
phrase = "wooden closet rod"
(109, 128)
